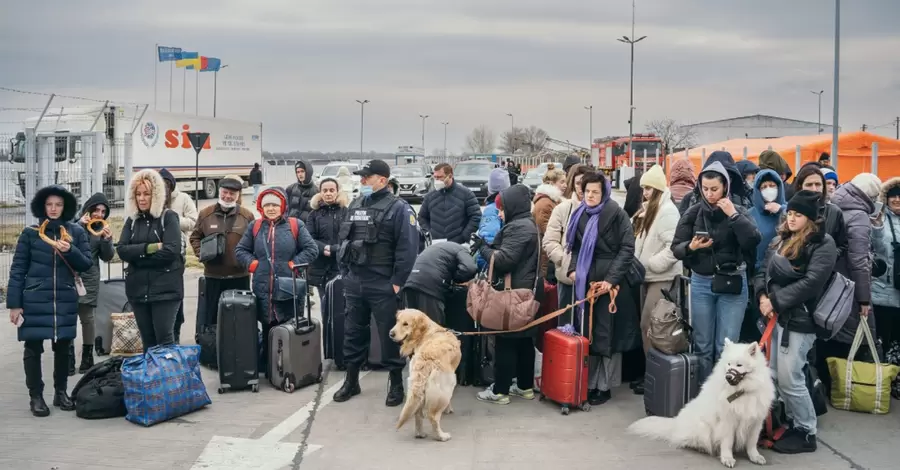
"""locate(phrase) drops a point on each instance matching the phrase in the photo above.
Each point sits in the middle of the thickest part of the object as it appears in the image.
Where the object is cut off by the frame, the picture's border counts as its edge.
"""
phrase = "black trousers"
(887, 325)
(514, 357)
(431, 305)
(33, 371)
(365, 299)
(179, 320)
(213, 291)
(156, 322)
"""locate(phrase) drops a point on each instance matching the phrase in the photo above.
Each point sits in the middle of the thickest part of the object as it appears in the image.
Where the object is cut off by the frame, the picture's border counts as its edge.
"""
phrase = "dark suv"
(474, 174)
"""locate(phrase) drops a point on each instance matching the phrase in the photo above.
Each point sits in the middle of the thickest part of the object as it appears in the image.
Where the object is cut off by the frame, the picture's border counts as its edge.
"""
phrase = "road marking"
(267, 452)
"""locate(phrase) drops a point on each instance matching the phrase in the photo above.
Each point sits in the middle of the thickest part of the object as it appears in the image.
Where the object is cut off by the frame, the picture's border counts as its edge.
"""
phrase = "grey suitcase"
(671, 381)
(295, 350)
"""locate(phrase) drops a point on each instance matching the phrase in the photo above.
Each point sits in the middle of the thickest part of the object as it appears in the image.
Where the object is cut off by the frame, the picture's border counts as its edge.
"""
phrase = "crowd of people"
(754, 242)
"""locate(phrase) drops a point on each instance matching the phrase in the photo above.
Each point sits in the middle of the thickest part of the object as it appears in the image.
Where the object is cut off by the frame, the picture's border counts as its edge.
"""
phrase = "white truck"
(160, 140)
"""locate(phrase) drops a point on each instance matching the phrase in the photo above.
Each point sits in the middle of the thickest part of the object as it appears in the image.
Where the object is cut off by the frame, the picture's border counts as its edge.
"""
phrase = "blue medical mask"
(365, 190)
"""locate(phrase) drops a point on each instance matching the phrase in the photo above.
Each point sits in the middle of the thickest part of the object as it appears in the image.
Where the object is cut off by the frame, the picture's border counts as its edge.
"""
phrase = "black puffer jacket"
(323, 225)
(734, 239)
(451, 213)
(794, 286)
(158, 276)
(300, 194)
(101, 249)
(439, 266)
(515, 248)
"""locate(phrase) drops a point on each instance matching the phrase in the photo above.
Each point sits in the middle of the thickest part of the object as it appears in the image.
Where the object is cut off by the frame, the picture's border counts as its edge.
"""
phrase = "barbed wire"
(21, 109)
(57, 95)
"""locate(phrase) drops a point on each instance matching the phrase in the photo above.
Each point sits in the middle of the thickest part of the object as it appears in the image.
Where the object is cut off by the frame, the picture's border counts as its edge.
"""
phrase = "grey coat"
(101, 249)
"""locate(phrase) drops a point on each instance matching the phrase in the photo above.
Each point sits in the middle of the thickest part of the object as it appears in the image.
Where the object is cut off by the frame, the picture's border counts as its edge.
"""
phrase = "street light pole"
(631, 42)
(362, 114)
(512, 133)
(837, 80)
(424, 117)
(445, 123)
(819, 93)
(216, 88)
(591, 129)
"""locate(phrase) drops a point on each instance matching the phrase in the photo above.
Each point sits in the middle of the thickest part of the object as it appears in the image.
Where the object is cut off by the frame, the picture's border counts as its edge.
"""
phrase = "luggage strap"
(771, 434)
(594, 292)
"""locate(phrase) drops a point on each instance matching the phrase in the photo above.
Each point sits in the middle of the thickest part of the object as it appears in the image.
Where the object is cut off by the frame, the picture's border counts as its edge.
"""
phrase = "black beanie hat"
(806, 203)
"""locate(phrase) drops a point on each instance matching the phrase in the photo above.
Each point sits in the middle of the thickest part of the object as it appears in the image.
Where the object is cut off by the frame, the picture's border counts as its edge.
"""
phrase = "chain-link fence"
(12, 206)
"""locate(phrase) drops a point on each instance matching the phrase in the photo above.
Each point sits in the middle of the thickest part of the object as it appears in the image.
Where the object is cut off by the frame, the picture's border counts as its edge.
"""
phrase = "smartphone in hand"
(702, 235)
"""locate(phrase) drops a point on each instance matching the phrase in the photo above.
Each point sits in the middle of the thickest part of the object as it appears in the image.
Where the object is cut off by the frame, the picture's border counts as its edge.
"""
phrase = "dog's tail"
(654, 427)
(415, 397)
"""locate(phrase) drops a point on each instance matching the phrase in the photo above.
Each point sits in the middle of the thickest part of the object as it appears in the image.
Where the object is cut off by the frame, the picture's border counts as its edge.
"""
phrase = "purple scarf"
(588, 241)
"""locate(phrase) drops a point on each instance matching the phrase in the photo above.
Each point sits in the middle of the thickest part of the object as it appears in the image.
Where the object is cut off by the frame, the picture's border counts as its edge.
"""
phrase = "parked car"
(415, 180)
(331, 171)
(474, 175)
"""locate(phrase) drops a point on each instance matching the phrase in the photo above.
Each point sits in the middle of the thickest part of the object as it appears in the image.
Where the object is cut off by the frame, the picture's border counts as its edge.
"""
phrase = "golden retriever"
(435, 354)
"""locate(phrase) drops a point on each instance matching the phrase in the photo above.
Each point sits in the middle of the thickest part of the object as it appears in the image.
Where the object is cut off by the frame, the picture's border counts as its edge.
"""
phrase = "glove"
(476, 242)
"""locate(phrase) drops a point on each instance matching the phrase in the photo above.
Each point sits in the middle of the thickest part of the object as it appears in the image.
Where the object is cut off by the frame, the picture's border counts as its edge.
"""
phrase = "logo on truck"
(172, 139)
(149, 134)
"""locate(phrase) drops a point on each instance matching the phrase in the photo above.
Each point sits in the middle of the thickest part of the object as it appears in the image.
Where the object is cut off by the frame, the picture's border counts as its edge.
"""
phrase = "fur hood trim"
(342, 200)
(157, 191)
(548, 190)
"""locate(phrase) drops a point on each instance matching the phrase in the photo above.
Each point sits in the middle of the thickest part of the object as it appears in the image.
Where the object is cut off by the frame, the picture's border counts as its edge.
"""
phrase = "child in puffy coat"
(490, 223)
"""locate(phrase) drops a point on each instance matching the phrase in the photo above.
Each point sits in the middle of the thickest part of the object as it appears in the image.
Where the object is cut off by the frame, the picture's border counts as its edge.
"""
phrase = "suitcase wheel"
(564, 410)
(221, 390)
(255, 388)
(585, 406)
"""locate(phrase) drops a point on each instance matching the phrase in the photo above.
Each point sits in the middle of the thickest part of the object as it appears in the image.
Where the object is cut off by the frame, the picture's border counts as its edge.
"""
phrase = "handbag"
(669, 331)
(506, 309)
(126, 338)
(724, 281)
(861, 386)
(211, 247)
(79, 284)
(835, 305)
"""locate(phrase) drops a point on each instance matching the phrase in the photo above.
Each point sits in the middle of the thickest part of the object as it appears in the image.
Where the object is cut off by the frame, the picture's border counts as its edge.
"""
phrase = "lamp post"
(631, 42)
(837, 79)
(512, 133)
(424, 117)
(445, 123)
(216, 88)
(590, 129)
(819, 93)
(362, 114)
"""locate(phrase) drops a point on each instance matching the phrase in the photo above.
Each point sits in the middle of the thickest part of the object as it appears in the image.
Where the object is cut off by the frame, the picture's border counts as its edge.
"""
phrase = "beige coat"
(653, 249)
(554, 241)
(184, 206)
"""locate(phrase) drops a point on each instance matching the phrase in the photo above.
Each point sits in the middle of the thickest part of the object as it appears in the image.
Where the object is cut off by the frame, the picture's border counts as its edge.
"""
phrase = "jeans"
(714, 317)
(790, 381)
(156, 322)
(255, 192)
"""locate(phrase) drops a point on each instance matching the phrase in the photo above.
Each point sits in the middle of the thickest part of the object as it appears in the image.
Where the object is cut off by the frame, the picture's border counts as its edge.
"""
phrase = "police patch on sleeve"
(412, 220)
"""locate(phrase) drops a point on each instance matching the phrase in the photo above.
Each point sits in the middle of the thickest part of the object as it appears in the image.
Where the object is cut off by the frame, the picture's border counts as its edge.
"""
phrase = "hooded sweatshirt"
(300, 193)
(681, 179)
(771, 160)
(737, 191)
(766, 222)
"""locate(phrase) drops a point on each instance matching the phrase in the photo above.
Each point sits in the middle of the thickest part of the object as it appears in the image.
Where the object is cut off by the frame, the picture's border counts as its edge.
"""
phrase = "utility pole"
(362, 114)
(424, 117)
(630, 41)
(445, 123)
(512, 134)
(835, 121)
(590, 129)
(819, 93)
(215, 88)
(897, 127)
(864, 127)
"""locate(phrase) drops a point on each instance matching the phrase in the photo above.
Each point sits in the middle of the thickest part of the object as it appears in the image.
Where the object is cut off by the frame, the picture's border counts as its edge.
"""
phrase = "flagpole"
(171, 71)
(155, 74)
(184, 90)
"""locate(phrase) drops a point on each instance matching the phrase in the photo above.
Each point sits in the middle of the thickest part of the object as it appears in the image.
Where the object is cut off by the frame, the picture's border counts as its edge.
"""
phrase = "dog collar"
(734, 396)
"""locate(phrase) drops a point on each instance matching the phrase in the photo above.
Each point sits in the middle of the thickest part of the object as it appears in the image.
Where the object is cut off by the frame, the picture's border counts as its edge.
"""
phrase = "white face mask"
(438, 185)
(769, 194)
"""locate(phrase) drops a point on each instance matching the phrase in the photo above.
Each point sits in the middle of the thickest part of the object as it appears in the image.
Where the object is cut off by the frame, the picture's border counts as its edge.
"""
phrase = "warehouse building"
(758, 126)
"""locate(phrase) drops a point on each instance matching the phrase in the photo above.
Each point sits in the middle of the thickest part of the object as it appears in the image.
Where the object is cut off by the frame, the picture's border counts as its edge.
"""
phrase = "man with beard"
(301, 193)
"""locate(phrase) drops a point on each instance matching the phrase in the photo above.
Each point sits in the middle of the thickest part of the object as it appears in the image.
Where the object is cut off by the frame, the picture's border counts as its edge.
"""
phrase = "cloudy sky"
(299, 65)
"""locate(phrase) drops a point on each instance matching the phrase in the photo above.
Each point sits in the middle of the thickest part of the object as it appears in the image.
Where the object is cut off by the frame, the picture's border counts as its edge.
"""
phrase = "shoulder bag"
(725, 281)
(834, 307)
(213, 246)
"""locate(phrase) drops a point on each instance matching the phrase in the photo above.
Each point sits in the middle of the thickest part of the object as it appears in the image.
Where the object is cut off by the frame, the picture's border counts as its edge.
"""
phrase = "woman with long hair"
(151, 244)
(554, 239)
(794, 274)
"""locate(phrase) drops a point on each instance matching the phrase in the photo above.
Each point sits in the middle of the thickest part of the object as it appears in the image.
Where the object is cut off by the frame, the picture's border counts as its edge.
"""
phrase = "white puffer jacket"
(654, 249)
(554, 241)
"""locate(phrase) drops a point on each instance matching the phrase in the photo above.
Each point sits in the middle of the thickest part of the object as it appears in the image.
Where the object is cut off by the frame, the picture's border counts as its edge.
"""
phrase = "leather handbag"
(506, 309)
(725, 281)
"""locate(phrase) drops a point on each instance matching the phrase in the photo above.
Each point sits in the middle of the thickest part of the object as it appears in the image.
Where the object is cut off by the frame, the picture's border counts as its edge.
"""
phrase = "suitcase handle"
(294, 272)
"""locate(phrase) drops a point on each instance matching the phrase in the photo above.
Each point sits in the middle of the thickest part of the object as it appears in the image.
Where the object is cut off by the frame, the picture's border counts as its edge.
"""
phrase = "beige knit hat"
(654, 178)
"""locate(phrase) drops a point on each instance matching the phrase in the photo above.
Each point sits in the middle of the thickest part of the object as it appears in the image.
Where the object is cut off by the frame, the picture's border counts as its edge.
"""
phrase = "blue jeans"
(714, 317)
(790, 381)
(255, 192)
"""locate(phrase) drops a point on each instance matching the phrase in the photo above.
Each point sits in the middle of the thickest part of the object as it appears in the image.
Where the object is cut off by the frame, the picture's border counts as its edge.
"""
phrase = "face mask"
(227, 205)
(439, 185)
(365, 190)
(769, 194)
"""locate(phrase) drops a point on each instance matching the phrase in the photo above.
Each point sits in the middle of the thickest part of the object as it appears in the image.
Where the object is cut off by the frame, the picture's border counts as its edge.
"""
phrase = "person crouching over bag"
(270, 250)
(429, 282)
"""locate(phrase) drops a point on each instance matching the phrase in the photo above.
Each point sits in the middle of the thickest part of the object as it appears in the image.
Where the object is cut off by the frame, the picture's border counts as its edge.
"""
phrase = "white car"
(331, 170)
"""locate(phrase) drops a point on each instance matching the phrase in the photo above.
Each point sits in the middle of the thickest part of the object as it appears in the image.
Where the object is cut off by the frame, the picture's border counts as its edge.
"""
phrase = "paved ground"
(274, 430)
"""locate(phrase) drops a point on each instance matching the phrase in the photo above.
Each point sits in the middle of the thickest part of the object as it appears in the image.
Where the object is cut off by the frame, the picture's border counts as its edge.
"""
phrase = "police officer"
(378, 245)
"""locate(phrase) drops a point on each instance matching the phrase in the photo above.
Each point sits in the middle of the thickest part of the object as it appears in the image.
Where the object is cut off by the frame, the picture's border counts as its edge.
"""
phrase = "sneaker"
(518, 392)
(795, 441)
(488, 395)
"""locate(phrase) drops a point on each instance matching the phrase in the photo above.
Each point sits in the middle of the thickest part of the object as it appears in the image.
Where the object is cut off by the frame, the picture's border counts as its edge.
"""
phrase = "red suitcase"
(564, 369)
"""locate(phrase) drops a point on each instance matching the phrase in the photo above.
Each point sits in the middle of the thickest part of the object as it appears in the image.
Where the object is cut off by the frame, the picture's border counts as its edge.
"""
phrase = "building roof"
(757, 116)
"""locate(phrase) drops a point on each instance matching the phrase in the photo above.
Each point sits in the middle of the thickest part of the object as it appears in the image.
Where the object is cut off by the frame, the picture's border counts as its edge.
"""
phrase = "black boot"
(39, 407)
(795, 441)
(395, 391)
(350, 388)
(71, 359)
(87, 358)
(638, 387)
(62, 401)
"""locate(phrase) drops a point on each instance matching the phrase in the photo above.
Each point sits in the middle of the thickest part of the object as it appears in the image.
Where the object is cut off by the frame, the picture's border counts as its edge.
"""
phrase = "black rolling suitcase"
(671, 381)
(333, 317)
(238, 341)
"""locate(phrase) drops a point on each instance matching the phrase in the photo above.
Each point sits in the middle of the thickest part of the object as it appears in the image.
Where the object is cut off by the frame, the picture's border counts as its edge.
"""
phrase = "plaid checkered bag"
(163, 383)
(126, 339)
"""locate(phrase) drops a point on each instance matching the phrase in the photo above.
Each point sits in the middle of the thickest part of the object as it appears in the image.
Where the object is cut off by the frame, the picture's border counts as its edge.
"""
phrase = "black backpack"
(100, 394)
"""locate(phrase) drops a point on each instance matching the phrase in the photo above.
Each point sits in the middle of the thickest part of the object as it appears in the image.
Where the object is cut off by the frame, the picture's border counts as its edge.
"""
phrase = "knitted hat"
(498, 180)
(270, 198)
(830, 175)
(869, 184)
(654, 178)
(806, 203)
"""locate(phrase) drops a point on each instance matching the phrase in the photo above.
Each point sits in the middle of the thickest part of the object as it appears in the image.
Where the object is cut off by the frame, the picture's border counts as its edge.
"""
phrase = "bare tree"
(511, 140)
(534, 139)
(674, 136)
(482, 140)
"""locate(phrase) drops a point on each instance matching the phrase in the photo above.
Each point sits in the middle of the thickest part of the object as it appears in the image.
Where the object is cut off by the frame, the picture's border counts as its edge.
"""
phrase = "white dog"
(729, 412)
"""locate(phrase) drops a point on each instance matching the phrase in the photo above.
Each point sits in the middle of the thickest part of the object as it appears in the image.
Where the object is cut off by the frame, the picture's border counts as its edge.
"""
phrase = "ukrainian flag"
(191, 60)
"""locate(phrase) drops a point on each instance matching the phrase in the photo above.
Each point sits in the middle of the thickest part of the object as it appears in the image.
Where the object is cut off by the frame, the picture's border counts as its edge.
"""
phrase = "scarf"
(588, 241)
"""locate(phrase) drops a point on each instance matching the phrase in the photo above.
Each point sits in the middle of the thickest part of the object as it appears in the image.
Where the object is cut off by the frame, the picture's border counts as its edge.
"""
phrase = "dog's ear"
(754, 347)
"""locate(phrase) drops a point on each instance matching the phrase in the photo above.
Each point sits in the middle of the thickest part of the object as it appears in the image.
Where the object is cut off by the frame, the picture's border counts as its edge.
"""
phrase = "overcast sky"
(299, 65)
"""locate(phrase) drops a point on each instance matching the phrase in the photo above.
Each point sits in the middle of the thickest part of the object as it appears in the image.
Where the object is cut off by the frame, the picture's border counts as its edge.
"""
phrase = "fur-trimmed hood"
(157, 190)
(70, 204)
(888, 186)
(342, 200)
(548, 190)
